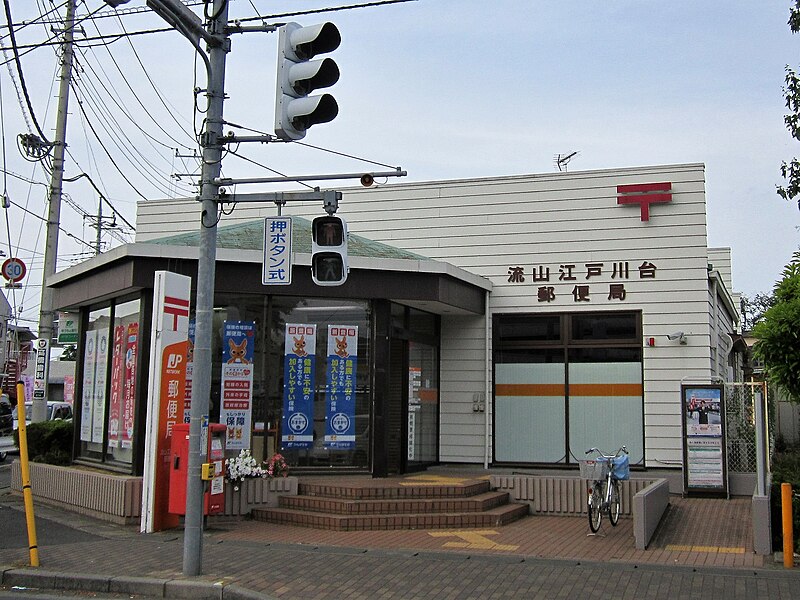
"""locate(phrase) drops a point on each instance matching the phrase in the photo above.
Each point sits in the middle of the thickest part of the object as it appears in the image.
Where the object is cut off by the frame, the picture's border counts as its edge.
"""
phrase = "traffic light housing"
(329, 250)
(298, 76)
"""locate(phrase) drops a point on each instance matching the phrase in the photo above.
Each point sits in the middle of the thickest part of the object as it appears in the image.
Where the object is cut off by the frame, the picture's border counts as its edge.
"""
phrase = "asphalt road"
(13, 524)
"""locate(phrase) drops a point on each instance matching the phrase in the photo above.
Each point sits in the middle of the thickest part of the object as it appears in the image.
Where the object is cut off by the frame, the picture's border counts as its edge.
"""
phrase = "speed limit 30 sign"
(14, 269)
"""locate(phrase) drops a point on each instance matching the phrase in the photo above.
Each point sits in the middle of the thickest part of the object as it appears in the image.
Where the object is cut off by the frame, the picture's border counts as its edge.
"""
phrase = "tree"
(778, 333)
(70, 353)
(753, 309)
(791, 92)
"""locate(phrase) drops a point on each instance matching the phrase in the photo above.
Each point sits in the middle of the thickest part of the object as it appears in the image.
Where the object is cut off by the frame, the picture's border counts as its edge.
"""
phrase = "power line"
(7, 7)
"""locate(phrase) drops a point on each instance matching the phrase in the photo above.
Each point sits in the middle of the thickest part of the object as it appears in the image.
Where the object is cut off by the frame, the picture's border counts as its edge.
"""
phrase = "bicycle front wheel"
(595, 505)
(614, 504)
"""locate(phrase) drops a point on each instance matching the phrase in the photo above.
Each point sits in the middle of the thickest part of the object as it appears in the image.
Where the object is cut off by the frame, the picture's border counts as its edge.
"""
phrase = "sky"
(444, 89)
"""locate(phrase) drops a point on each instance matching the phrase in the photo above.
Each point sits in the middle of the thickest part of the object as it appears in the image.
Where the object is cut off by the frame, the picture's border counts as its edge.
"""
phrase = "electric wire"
(270, 169)
(170, 109)
(9, 20)
(101, 108)
(116, 134)
(108, 154)
(323, 10)
(40, 19)
(120, 103)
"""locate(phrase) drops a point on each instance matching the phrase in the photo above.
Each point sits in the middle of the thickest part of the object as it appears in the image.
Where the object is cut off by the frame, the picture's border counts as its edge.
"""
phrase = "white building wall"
(462, 385)
(487, 226)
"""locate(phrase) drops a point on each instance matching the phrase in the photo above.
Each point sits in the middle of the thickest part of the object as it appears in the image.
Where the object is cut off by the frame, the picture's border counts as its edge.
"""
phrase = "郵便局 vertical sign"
(340, 385)
(299, 366)
(704, 438)
(236, 411)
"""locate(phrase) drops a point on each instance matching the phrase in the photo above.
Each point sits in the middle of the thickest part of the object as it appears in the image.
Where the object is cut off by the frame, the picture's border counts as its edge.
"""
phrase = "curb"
(178, 589)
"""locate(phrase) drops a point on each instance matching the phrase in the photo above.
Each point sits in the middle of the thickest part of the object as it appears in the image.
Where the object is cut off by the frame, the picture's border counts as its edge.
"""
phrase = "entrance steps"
(409, 503)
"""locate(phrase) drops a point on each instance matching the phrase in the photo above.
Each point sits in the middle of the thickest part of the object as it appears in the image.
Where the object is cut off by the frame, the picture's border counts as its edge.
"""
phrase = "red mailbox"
(214, 497)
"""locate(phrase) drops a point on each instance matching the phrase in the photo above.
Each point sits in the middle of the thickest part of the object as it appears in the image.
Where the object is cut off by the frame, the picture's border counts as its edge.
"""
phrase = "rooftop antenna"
(562, 160)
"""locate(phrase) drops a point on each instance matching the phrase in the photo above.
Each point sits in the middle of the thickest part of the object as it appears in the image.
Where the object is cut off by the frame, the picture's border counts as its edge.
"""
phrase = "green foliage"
(791, 93)
(753, 309)
(49, 442)
(794, 17)
(778, 333)
(786, 469)
(70, 353)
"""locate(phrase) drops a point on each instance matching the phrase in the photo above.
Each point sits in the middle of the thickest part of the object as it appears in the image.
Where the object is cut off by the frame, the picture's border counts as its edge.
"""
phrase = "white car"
(56, 411)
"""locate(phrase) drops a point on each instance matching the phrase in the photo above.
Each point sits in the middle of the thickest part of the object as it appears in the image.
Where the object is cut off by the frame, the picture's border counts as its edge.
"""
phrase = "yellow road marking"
(709, 549)
(473, 540)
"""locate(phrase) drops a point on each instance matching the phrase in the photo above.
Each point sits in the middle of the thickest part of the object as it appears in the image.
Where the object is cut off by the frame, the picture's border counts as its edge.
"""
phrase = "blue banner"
(340, 396)
(299, 363)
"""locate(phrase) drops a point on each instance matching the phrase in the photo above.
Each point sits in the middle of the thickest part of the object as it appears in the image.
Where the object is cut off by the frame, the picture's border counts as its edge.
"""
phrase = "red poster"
(173, 384)
(115, 407)
(129, 385)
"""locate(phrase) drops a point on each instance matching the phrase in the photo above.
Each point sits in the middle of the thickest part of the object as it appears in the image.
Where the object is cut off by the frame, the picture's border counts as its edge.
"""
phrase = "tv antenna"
(562, 160)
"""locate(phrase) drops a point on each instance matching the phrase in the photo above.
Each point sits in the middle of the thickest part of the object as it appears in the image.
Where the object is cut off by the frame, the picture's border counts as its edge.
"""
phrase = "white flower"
(242, 467)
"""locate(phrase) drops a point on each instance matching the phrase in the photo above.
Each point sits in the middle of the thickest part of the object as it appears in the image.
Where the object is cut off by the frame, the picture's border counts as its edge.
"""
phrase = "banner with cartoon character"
(340, 387)
(236, 411)
(297, 430)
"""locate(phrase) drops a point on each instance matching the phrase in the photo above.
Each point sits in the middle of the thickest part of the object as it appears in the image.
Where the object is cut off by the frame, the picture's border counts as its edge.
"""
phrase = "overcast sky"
(444, 88)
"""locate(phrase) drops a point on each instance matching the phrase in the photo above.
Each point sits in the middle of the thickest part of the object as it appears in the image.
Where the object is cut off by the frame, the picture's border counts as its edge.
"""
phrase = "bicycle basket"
(593, 469)
(622, 468)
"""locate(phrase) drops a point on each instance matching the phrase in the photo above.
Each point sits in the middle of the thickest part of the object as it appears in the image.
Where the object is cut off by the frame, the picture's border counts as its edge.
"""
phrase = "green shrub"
(49, 442)
(785, 469)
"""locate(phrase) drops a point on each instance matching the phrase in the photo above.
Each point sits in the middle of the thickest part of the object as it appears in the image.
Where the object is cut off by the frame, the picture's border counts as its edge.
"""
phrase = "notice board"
(705, 468)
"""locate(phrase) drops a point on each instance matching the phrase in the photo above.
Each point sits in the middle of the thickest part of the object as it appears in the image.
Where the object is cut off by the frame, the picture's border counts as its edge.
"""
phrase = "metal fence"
(740, 399)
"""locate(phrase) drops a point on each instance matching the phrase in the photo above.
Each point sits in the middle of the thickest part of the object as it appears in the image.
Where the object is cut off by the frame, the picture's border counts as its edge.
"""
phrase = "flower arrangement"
(244, 466)
(241, 467)
(277, 467)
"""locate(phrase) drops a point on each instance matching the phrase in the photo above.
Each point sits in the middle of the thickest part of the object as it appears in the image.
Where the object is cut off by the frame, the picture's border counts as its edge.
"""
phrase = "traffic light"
(329, 250)
(298, 76)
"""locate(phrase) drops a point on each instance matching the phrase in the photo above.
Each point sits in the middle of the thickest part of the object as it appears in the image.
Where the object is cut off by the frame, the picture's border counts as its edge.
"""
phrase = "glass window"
(122, 388)
(603, 326)
(107, 404)
(423, 403)
(527, 328)
(530, 406)
(271, 315)
(556, 398)
(93, 385)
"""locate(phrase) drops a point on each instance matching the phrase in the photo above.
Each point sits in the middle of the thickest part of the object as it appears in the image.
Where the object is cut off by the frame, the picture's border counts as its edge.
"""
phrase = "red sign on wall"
(644, 194)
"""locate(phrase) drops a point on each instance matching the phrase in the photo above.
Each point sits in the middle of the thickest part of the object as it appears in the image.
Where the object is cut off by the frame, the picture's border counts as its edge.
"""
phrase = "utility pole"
(211, 142)
(46, 313)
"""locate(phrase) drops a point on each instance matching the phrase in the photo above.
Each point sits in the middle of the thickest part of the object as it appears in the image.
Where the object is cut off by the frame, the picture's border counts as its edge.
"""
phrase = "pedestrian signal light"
(329, 250)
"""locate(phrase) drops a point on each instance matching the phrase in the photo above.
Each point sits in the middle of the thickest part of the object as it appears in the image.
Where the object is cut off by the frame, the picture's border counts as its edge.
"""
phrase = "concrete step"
(495, 517)
(394, 506)
(378, 489)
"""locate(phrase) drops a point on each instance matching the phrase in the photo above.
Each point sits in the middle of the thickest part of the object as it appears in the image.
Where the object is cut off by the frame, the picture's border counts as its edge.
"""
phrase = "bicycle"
(605, 472)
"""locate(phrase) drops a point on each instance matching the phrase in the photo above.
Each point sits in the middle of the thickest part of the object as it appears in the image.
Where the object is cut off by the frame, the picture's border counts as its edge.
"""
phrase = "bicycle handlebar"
(623, 449)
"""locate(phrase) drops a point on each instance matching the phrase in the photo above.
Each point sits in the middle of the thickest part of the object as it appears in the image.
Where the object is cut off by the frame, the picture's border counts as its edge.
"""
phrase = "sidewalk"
(702, 545)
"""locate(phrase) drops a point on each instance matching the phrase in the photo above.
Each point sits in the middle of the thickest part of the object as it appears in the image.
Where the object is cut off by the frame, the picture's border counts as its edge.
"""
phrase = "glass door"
(423, 404)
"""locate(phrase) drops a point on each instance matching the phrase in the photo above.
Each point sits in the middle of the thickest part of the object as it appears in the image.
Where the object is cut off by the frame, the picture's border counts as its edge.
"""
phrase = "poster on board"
(704, 464)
